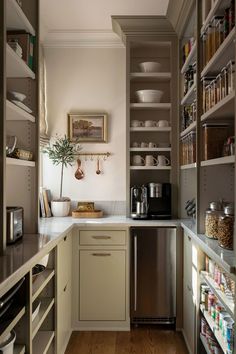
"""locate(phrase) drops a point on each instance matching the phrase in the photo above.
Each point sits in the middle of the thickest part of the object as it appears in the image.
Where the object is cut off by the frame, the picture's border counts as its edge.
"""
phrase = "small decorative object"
(87, 128)
(85, 206)
(79, 174)
(63, 152)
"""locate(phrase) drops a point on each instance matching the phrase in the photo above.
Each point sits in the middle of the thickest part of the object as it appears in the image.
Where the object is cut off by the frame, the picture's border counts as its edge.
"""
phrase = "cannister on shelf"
(212, 218)
(226, 228)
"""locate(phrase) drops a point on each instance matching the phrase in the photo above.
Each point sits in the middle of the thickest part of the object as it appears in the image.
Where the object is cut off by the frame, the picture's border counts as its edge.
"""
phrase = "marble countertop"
(23, 255)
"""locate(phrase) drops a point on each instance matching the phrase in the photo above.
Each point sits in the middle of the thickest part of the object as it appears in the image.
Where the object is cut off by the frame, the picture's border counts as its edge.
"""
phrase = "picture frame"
(87, 127)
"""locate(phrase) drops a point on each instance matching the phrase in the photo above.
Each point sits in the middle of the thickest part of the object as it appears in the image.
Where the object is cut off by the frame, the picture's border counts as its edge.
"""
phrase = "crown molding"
(178, 13)
(81, 39)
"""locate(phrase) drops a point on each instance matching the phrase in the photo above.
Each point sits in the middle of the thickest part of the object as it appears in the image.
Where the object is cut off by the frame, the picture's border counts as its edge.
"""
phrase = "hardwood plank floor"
(138, 341)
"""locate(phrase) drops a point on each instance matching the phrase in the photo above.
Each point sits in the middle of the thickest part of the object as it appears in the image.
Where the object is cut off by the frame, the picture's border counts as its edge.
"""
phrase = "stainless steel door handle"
(101, 254)
(135, 271)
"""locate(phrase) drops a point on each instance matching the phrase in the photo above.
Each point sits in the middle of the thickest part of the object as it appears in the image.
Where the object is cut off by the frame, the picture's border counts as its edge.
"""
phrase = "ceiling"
(89, 21)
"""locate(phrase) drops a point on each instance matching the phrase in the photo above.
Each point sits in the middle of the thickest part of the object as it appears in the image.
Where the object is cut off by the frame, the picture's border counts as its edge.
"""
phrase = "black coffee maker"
(159, 201)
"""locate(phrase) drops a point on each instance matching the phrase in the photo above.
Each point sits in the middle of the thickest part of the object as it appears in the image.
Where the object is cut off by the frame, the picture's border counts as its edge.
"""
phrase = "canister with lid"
(226, 228)
(211, 219)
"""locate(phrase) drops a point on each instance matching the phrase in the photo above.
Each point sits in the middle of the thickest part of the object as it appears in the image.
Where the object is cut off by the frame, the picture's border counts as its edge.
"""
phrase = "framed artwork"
(87, 128)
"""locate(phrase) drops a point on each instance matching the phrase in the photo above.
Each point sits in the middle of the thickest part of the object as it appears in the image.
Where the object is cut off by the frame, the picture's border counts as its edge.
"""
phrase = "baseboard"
(102, 326)
(186, 342)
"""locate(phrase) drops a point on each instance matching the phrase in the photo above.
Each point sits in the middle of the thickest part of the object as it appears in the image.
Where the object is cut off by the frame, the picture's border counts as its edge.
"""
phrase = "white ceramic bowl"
(149, 96)
(18, 96)
(44, 260)
(150, 67)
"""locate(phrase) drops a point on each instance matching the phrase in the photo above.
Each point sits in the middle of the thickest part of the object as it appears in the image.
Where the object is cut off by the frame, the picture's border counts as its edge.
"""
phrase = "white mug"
(138, 160)
(136, 123)
(162, 123)
(150, 123)
(152, 145)
(144, 145)
(150, 160)
(135, 144)
(163, 160)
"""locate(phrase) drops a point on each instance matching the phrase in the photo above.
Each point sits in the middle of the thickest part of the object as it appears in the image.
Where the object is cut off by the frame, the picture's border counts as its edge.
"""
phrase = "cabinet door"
(64, 262)
(64, 318)
(102, 285)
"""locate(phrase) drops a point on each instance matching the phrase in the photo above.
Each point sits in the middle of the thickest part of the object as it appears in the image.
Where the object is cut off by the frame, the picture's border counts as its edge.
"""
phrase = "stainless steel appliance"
(15, 217)
(153, 275)
(159, 201)
(139, 206)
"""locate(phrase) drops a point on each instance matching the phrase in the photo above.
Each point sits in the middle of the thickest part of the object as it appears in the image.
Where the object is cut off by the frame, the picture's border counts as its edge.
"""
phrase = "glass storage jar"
(230, 73)
(211, 219)
(226, 228)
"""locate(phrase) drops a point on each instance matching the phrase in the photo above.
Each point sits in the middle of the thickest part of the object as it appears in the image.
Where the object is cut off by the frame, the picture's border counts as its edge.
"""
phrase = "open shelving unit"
(13, 112)
(150, 106)
(189, 97)
(147, 77)
(16, 67)
(42, 342)
(6, 327)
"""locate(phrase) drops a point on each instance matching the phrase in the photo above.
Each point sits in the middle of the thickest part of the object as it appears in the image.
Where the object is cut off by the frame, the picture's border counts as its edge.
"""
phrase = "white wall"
(88, 80)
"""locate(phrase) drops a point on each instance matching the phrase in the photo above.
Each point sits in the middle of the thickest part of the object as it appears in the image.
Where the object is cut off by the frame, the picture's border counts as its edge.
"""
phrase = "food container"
(150, 66)
(218, 309)
(211, 268)
(211, 302)
(219, 32)
(203, 326)
(211, 219)
(226, 228)
(222, 315)
(227, 329)
(214, 136)
(149, 96)
(209, 42)
(231, 76)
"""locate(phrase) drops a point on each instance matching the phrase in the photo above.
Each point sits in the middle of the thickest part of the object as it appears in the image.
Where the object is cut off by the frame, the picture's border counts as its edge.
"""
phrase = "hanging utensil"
(79, 174)
(98, 171)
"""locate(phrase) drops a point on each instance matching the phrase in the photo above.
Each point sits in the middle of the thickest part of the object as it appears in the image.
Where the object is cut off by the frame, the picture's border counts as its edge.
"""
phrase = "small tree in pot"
(63, 152)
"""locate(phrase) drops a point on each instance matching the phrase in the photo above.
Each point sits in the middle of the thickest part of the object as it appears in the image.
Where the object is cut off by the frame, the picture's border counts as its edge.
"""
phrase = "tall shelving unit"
(19, 178)
(152, 39)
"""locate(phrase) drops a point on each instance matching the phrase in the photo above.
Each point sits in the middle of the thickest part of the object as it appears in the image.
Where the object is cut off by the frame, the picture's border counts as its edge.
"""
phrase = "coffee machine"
(159, 201)
(139, 204)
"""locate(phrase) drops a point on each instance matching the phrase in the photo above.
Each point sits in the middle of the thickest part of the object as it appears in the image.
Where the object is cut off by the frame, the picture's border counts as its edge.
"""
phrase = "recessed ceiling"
(63, 16)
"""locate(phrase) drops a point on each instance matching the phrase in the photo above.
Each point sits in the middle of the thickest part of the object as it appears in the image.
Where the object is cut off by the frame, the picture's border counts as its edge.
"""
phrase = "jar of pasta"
(226, 228)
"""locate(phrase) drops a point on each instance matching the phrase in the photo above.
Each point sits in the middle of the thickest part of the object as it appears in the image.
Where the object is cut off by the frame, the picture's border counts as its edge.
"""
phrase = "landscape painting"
(90, 128)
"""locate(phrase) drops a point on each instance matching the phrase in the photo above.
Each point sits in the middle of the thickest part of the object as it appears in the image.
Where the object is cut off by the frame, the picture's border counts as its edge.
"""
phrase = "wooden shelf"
(222, 56)
(158, 77)
(46, 305)
(191, 58)
(220, 161)
(223, 109)
(41, 281)
(16, 19)
(216, 332)
(13, 112)
(151, 106)
(217, 9)
(42, 342)
(150, 167)
(227, 304)
(204, 342)
(16, 67)
(7, 326)
(189, 166)
(18, 162)
(191, 127)
(189, 97)
(150, 129)
(19, 349)
(151, 149)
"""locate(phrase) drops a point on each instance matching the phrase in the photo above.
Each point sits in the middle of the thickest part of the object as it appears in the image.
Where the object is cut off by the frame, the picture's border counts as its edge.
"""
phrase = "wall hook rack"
(92, 155)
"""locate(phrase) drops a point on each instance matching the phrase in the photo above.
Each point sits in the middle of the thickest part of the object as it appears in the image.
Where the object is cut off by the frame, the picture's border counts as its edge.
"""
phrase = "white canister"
(7, 346)
(60, 208)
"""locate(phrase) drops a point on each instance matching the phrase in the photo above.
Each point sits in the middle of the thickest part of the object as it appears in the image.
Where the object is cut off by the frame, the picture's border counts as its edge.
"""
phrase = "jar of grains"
(212, 218)
(226, 228)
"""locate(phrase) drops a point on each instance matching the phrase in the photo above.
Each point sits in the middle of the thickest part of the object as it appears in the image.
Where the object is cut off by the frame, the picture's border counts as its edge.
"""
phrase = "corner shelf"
(151, 106)
(11, 323)
(16, 19)
(16, 67)
(18, 162)
(150, 168)
(13, 112)
(224, 108)
(227, 304)
(221, 57)
(189, 166)
(42, 342)
(41, 281)
(46, 305)
(191, 127)
(151, 129)
(219, 161)
(190, 58)
(168, 149)
(189, 97)
(143, 77)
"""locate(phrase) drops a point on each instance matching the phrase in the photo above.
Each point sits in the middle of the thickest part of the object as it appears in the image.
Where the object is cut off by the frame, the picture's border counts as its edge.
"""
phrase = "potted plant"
(63, 152)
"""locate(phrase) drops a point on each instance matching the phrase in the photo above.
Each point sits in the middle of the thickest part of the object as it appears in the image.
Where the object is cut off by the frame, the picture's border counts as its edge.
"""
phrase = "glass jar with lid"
(230, 72)
(226, 228)
(211, 219)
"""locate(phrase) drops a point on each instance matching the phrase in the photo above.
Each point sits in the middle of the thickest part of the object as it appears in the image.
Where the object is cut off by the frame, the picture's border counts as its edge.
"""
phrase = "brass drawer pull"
(101, 237)
(101, 254)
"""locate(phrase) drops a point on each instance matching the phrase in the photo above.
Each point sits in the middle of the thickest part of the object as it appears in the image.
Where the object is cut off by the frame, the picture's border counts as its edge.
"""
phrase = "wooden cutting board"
(87, 214)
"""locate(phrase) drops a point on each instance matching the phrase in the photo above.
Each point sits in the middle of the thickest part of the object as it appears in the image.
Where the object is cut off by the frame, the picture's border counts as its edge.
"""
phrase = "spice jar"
(211, 219)
(226, 228)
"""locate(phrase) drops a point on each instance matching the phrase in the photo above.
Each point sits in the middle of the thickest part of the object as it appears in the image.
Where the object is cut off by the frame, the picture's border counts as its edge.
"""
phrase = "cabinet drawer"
(102, 237)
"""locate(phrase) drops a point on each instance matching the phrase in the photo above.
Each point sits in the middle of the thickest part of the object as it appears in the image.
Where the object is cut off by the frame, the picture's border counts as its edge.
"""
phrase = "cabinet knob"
(65, 238)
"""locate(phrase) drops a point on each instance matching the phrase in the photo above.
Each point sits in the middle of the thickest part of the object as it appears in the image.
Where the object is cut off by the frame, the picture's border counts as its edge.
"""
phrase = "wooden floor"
(137, 341)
